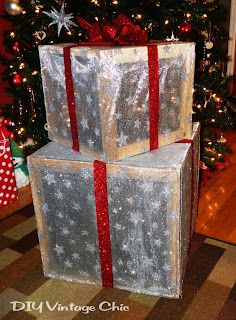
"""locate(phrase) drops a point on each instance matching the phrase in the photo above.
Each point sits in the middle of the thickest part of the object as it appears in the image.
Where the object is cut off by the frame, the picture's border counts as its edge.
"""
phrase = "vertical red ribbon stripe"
(71, 98)
(102, 212)
(192, 185)
(154, 95)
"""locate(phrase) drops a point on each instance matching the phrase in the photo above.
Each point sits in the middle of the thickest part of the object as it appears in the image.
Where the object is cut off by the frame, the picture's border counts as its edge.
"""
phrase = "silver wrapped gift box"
(149, 203)
(112, 96)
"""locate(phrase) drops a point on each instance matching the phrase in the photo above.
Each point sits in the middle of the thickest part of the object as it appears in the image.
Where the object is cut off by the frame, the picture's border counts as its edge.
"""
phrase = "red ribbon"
(122, 32)
(154, 99)
(71, 98)
(192, 187)
(102, 212)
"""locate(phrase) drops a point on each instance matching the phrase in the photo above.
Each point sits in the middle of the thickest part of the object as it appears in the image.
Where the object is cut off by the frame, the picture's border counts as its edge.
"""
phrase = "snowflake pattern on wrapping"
(70, 254)
(142, 247)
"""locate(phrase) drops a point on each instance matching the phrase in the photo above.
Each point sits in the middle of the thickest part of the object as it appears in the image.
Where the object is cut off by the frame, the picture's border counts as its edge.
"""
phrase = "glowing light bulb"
(34, 73)
(213, 120)
(188, 15)
(212, 159)
(24, 80)
(21, 130)
(21, 66)
(12, 34)
(95, 2)
(210, 143)
(166, 22)
(115, 2)
(204, 16)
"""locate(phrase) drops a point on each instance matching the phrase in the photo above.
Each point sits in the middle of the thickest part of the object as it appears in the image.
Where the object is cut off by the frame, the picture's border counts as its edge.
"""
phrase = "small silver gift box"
(149, 203)
(112, 97)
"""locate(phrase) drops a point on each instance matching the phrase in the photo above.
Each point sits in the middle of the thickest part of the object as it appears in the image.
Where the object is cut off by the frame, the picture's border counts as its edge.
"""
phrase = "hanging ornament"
(13, 7)
(17, 79)
(16, 47)
(221, 140)
(60, 19)
(172, 38)
(209, 45)
(41, 35)
(185, 27)
(213, 68)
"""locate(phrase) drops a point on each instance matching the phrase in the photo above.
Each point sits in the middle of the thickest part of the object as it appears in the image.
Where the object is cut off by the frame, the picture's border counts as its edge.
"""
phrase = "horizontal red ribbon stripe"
(103, 224)
(71, 98)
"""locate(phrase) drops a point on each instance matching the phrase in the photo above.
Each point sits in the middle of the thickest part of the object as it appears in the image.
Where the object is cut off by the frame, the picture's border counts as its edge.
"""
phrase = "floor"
(217, 205)
(209, 291)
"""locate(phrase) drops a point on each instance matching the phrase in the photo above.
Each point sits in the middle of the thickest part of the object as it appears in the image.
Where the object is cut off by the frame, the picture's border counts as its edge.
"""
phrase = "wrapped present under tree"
(116, 102)
(125, 224)
(8, 190)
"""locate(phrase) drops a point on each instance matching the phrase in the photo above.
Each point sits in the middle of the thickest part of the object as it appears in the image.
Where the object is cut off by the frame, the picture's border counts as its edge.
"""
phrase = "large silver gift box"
(149, 203)
(111, 90)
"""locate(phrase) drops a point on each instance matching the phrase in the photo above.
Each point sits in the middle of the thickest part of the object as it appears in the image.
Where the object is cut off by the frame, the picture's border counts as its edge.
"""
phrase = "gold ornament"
(13, 7)
(222, 140)
(209, 45)
(40, 35)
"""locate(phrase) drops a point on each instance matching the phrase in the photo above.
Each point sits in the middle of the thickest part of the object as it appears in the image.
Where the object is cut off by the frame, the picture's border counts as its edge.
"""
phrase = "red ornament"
(17, 79)
(185, 27)
(16, 46)
(12, 135)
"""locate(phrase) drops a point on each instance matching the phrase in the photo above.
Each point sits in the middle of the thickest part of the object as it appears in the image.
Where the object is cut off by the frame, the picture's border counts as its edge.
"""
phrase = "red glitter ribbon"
(71, 98)
(192, 186)
(121, 32)
(102, 212)
(154, 99)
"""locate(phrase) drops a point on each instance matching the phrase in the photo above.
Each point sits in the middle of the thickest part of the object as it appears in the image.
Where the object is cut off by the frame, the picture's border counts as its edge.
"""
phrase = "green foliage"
(159, 18)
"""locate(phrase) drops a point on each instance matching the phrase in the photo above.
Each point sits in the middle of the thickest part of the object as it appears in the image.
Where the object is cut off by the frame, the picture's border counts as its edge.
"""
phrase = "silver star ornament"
(172, 38)
(61, 19)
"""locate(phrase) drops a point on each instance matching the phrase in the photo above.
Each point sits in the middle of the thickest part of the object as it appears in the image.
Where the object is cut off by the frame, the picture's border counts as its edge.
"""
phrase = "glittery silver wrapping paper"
(111, 89)
(149, 212)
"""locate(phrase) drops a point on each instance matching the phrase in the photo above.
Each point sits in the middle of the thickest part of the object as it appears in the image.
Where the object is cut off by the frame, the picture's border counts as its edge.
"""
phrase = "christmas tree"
(46, 22)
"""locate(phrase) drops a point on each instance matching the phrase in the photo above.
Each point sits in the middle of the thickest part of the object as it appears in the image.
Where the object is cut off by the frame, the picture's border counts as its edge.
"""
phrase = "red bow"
(122, 32)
